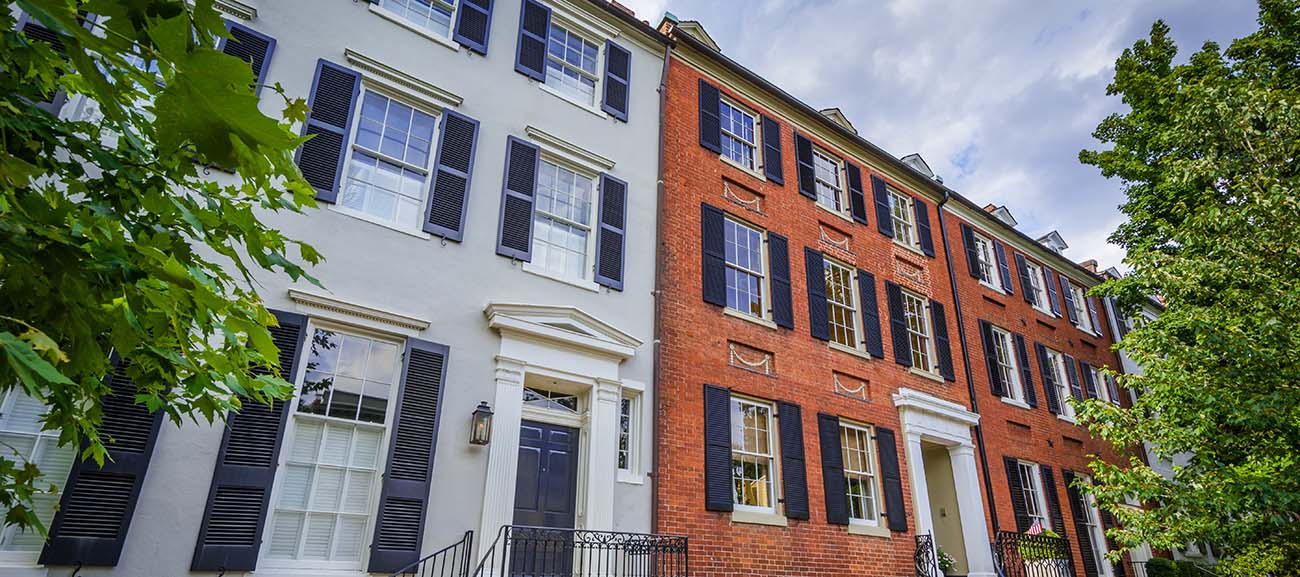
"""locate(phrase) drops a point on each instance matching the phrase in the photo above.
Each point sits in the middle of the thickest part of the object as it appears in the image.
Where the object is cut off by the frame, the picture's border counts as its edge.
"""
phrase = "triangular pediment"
(567, 325)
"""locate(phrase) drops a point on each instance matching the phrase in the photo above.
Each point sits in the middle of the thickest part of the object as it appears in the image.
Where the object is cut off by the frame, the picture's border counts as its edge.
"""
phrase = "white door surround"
(567, 346)
(925, 417)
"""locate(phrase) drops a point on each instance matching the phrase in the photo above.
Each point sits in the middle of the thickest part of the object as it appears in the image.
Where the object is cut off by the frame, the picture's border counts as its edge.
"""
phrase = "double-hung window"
(753, 455)
(1099, 382)
(1092, 519)
(562, 221)
(23, 440)
(988, 264)
(901, 213)
(571, 64)
(830, 187)
(627, 424)
(1081, 307)
(859, 474)
(739, 140)
(1032, 487)
(433, 16)
(1038, 287)
(841, 301)
(1007, 365)
(745, 268)
(1057, 365)
(917, 314)
(331, 473)
(388, 172)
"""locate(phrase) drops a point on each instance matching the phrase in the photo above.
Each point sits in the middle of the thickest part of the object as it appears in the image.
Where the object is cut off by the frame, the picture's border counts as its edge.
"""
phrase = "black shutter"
(871, 337)
(898, 324)
(713, 241)
(717, 449)
(534, 28)
(515, 237)
(772, 167)
(923, 234)
(1090, 302)
(1121, 323)
(857, 198)
(803, 155)
(818, 314)
(613, 232)
(1017, 494)
(891, 479)
(1053, 501)
(403, 502)
(37, 32)
(1113, 389)
(972, 251)
(942, 347)
(1069, 299)
(794, 475)
(778, 256)
(991, 359)
(880, 193)
(240, 496)
(710, 121)
(1026, 372)
(1108, 523)
(1048, 371)
(1073, 376)
(1089, 383)
(1079, 508)
(252, 47)
(833, 484)
(618, 79)
(1000, 253)
(95, 510)
(1049, 278)
(333, 93)
(453, 166)
(1026, 286)
(473, 25)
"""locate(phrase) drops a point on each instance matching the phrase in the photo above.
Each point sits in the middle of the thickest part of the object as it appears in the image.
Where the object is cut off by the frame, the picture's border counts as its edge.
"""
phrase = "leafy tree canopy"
(115, 239)
(1207, 154)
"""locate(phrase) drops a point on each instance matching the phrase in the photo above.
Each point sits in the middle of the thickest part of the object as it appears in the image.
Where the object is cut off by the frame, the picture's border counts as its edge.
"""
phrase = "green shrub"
(1161, 567)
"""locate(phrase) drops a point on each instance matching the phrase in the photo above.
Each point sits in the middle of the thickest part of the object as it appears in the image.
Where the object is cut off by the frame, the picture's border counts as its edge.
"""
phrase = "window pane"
(571, 64)
(431, 15)
(840, 303)
(827, 173)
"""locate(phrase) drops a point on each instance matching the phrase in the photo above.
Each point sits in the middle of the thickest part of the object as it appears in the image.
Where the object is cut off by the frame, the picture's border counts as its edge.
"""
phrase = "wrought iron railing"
(927, 564)
(1137, 568)
(454, 560)
(550, 552)
(1021, 555)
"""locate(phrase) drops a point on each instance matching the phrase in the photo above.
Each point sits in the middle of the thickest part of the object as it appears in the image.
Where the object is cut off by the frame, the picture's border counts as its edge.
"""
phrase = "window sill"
(913, 248)
(850, 350)
(756, 518)
(1015, 403)
(750, 171)
(302, 572)
(927, 374)
(565, 97)
(580, 283)
(1069, 420)
(993, 287)
(749, 318)
(1047, 312)
(375, 221)
(840, 214)
(868, 530)
(23, 568)
(630, 478)
(398, 20)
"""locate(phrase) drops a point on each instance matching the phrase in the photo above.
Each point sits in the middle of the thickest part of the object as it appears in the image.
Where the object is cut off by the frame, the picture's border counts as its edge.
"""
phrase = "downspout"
(965, 362)
(660, 195)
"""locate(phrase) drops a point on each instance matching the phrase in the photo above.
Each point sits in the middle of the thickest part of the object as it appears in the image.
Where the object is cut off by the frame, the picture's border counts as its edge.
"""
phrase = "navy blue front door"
(546, 487)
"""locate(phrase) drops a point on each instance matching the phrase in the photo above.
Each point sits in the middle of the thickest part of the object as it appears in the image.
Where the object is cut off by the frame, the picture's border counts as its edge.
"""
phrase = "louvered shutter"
(403, 501)
(1068, 296)
(1079, 507)
(1053, 501)
(1072, 375)
(1049, 278)
(772, 163)
(1048, 373)
(1107, 523)
(1113, 389)
(833, 484)
(717, 449)
(1026, 286)
(778, 256)
(880, 193)
(1091, 303)
(1121, 323)
(473, 24)
(891, 479)
(923, 233)
(97, 504)
(37, 32)
(231, 533)
(534, 28)
(898, 324)
(1089, 383)
(818, 313)
(794, 474)
(710, 117)
(942, 347)
(453, 167)
(713, 241)
(872, 339)
(610, 243)
(515, 236)
(252, 47)
(1026, 372)
(333, 93)
(972, 251)
(991, 359)
(1017, 488)
(803, 155)
(857, 198)
(1004, 272)
(618, 79)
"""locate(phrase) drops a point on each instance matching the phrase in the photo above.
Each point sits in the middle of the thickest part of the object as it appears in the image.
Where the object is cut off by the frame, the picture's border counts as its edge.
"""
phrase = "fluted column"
(503, 451)
(979, 559)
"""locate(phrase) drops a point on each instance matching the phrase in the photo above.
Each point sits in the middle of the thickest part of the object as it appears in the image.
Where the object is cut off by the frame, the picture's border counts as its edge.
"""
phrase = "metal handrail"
(450, 561)
(557, 552)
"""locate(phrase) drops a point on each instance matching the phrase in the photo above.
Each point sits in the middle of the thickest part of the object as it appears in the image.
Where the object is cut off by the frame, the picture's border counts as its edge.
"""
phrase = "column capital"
(509, 371)
(608, 389)
(961, 450)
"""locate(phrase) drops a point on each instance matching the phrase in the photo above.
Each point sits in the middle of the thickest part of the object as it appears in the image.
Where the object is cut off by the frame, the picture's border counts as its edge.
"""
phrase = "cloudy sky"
(998, 96)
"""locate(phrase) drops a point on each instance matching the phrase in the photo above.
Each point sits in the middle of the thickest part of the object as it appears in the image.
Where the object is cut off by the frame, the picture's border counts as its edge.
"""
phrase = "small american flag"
(1036, 528)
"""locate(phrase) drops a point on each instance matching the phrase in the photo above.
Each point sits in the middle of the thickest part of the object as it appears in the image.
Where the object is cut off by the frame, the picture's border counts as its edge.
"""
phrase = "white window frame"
(988, 263)
(1063, 394)
(593, 227)
(872, 475)
(1008, 367)
(906, 217)
(1092, 518)
(1099, 383)
(1038, 284)
(852, 307)
(10, 558)
(1080, 300)
(772, 457)
(1034, 494)
(925, 334)
(405, 22)
(630, 455)
(756, 147)
(570, 24)
(764, 279)
(381, 463)
(841, 202)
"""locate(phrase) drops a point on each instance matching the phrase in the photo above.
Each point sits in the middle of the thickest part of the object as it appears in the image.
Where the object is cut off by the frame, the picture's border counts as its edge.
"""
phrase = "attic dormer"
(1053, 242)
(692, 28)
(837, 116)
(1002, 214)
(919, 164)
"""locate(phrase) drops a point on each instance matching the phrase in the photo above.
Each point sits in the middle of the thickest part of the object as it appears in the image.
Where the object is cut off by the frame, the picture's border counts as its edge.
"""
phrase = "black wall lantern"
(480, 428)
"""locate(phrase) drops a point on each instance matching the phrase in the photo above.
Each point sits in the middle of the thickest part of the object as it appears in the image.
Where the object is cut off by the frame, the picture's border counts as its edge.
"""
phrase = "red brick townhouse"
(1035, 339)
(812, 419)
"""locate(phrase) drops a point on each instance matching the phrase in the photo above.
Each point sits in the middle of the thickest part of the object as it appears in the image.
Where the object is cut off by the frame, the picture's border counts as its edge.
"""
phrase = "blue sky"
(998, 96)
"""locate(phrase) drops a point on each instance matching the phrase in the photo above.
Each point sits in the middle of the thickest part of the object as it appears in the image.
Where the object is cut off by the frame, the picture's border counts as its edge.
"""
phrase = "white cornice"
(588, 24)
(340, 308)
(406, 84)
(566, 325)
(568, 151)
(916, 400)
(237, 9)
(983, 222)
